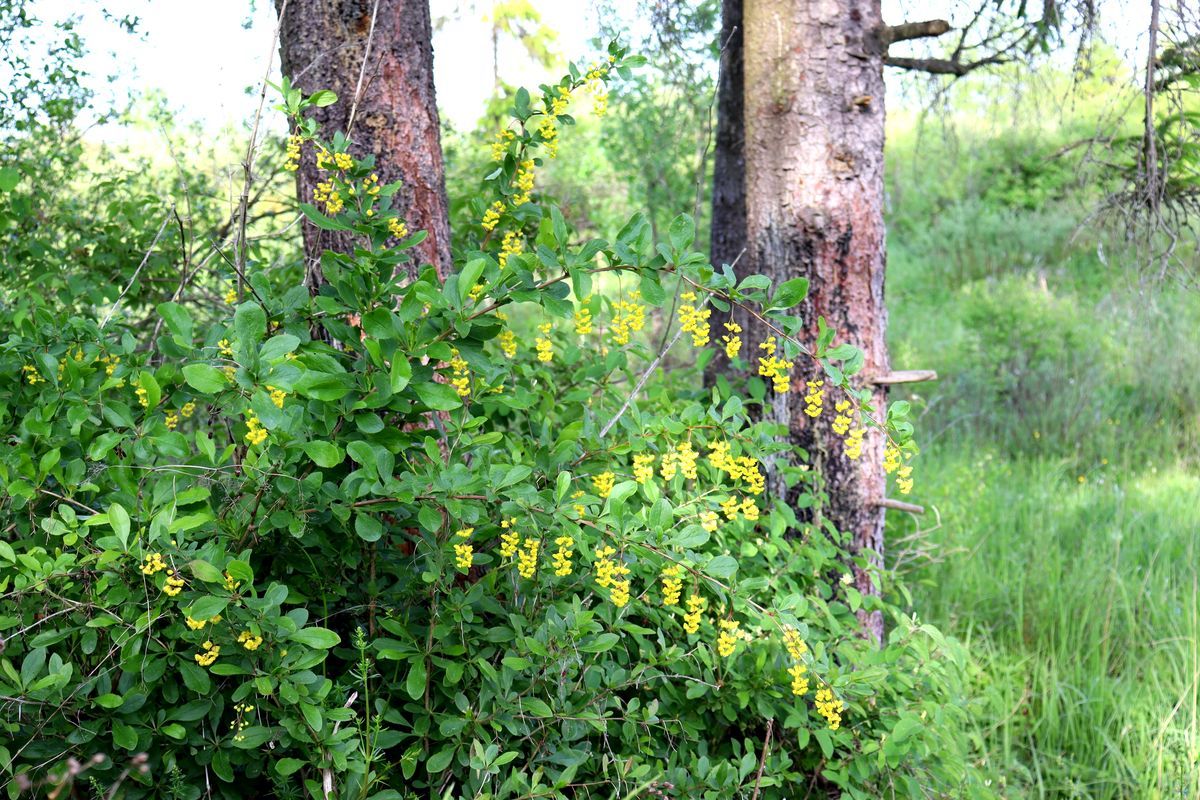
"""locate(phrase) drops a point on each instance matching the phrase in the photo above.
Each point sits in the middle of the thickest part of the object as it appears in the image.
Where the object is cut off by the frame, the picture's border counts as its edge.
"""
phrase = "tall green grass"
(1059, 467)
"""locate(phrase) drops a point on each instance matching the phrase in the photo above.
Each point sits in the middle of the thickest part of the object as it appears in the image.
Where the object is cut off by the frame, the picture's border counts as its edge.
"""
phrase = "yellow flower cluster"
(491, 217)
(464, 553)
(500, 146)
(893, 461)
(710, 521)
(110, 364)
(583, 320)
(230, 584)
(595, 76)
(293, 153)
(643, 468)
(695, 613)
(256, 434)
(841, 422)
(143, 399)
(904, 481)
(603, 483)
(558, 104)
(197, 624)
(815, 398)
(620, 586)
(508, 343)
(33, 376)
(549, 134)
(854, 443)
(209, 655)
(775, 368)
(629, 318)
(398, 228)
(153, 563)
(327, 160)
(241, 723)
(174, 584)
(325, 193)
(461, 380)
(562, 556)
(742, 468)
(231, 296)
(527, 559)
(799, 679)
(605, 567)
(830, 707)
(731, 340)
(225, 349)
(694, 320)
(277, 396)
(511, 245)
(249, 640)
(171, 419)
(672, 584)
(524, 182)
(509, 539)
(727, 638)
(545, 347)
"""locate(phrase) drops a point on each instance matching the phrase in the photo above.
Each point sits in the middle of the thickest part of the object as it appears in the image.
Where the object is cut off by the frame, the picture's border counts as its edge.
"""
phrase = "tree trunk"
(728, 231)
(323, 45)
(814, 132)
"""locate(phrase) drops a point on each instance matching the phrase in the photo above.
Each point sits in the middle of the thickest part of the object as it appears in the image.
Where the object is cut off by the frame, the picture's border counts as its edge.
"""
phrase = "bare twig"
(113, 309)
(762, 760)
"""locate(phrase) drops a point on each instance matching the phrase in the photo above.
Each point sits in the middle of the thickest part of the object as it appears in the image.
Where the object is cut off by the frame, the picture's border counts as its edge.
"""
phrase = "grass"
(1059, 451)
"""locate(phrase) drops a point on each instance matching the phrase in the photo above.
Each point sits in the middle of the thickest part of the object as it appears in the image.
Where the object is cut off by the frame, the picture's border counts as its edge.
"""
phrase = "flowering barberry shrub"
(460, 538)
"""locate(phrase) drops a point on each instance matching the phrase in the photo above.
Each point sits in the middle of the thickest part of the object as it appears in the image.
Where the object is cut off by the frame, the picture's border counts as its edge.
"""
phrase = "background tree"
(378, 59)
(804, 83)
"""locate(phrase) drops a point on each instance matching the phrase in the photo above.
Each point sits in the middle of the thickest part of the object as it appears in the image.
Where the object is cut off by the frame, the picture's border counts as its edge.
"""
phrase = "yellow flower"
(814, 399)
(854, 443)
(685, 459)
(583, 320)
(508, 343)
(231, 296)
(249, 641)
(830, 707)
(620, 586)
(904, 481)
(143, 400)
(799, 681)
(277, 396)
(293, 153)
(545, 347)
(398, 228)
(749, 510)
(695, 613)
(209, 654)
(174, 585)
(511, 245)
(461, 381)
(509, 539)
(195, 624)
(731, 340)
(153, 563)
(500, 146)
(796, 646)
(524, 183)
(603, 483)
(225, 349)
(491, 217)
(891, 458)
(230, 584)
(672, 584)
(730, 506)
(527, 559)
(256, 434)
(629, 318)
(775, 368)
(709, 521)
(604, 566)
(727, 638)
(34, 377)
(669, 466)
(562, 556)
(187, 410)
(171, 419)
(325, 193)
(693, 320)
(464, 552)
(643, 468)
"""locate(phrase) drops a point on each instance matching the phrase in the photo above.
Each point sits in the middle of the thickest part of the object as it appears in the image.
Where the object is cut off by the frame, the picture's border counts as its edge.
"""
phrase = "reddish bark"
(323, 44)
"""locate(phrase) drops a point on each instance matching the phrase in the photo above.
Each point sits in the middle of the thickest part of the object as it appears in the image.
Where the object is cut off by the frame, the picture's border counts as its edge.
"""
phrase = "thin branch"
(942, 66)
(112, 310)
(907, 31)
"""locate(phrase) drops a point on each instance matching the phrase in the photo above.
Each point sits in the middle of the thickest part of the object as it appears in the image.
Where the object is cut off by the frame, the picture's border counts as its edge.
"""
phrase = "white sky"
(205, 55)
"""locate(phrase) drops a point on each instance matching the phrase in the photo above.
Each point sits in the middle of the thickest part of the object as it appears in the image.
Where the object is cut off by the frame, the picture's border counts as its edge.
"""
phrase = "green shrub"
(411, 555)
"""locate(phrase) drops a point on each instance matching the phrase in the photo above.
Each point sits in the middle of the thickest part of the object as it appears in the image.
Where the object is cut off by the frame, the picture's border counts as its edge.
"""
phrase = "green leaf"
(124, 736)
(323, 454)
(118, 518)
(178, 321)
(317, 638)
(9, 178)
(721, 567)
(469, 277)
(601, 644)
(401, 372)
(109, 700)
(278, 347)
(790, 293)
(288, 766)
(414, 684)
(206, 572)
(320, 99)
(204, 378)
(320, 220)
(368, 528)
(438, 396)
(682, 232)
(250, 324)
(153, 393)
(207, 607)
(174, 731)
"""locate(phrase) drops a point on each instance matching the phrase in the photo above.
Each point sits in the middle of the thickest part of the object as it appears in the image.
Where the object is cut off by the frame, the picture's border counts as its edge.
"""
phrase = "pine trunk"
(814, 130)
(323, 45)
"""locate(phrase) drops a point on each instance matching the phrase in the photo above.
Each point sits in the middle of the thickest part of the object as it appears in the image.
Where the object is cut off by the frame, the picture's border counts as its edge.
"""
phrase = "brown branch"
(906, 31)
(903, 376)
(942, 66)
(900, 505)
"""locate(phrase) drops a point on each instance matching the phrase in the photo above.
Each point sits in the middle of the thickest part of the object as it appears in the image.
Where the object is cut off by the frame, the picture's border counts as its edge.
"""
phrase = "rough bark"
(728, 231)
(814, 131)
(323, 45)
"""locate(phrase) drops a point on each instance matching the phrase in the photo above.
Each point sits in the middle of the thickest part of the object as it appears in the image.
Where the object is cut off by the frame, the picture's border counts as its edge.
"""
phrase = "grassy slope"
(1060, 451)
